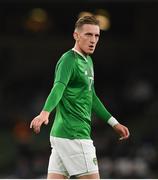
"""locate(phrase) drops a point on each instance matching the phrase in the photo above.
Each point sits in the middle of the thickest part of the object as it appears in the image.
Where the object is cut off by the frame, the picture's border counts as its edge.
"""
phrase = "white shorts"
(72, 157)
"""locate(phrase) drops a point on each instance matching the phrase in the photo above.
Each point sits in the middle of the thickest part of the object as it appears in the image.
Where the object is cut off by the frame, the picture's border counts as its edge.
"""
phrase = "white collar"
(80, 54)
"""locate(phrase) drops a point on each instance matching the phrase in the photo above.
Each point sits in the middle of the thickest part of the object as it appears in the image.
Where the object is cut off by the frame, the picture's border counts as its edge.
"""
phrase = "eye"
(97, 35)
(88, 34)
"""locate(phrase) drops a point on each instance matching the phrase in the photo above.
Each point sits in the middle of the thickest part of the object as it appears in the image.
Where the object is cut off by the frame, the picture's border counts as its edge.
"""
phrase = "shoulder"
(67, 60)
(67, 57)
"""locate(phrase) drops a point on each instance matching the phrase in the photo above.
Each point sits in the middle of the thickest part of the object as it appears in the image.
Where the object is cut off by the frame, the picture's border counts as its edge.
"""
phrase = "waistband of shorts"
(61, 138)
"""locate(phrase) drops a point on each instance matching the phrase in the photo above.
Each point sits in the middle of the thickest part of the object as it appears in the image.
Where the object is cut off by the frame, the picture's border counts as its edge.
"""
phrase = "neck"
(79, 50)
(79, 53)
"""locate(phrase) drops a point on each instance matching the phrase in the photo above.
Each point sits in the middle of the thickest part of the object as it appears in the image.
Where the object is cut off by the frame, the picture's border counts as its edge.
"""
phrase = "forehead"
(90, 28)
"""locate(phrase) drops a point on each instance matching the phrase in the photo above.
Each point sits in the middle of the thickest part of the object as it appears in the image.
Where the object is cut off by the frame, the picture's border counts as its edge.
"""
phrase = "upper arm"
(64, 70)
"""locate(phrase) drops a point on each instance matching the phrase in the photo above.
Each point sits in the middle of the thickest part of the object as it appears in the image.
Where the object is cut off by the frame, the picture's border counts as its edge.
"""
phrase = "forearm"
(100, 109)
(54, 97)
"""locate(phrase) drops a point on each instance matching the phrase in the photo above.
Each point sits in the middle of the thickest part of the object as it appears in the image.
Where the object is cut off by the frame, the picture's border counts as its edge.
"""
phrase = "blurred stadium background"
(33, 35)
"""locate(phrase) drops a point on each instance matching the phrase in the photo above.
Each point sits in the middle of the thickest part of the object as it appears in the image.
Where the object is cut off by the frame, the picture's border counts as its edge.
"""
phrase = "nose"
(93, 39)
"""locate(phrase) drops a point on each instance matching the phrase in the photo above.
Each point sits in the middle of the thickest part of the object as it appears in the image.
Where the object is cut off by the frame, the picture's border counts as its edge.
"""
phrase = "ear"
(75, 35)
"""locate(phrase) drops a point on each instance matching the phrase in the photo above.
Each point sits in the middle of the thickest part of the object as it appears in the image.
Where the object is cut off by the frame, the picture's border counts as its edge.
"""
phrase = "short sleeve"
(64, 70)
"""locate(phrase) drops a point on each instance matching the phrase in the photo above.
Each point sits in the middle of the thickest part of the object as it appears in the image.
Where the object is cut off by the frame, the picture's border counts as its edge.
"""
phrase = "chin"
(90, 52)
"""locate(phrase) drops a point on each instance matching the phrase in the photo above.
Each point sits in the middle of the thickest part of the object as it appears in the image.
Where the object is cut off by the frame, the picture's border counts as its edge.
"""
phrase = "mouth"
(91, 47)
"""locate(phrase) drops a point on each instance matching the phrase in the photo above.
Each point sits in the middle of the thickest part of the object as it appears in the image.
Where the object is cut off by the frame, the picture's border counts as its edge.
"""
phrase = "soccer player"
(73, 95)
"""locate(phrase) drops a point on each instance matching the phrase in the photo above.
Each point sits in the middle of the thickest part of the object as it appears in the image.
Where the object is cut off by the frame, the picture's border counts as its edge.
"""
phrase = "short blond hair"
(86, 20)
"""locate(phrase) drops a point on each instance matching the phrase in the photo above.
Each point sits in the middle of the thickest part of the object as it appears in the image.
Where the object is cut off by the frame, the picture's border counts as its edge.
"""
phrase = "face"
(86, 38)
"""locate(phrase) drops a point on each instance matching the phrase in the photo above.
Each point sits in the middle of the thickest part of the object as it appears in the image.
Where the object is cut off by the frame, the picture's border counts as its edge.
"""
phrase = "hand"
(36, 123)
(122, 131)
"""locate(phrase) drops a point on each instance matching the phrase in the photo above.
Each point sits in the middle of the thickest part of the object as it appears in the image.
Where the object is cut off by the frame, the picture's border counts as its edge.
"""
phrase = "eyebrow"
(89, 33)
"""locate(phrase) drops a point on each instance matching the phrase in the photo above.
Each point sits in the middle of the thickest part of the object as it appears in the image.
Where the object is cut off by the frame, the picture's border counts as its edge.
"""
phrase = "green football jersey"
(73, 112)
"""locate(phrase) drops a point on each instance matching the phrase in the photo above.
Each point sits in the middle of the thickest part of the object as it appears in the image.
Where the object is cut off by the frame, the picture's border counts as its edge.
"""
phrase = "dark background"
(125, 62)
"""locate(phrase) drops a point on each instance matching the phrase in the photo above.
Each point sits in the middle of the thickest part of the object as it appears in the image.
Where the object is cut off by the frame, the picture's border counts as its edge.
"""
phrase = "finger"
(121, 138)
(46, 122)
(37, 125)
(37, 130)
(37, 122)
(122, 133)
(126, 132)
(31, 125)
